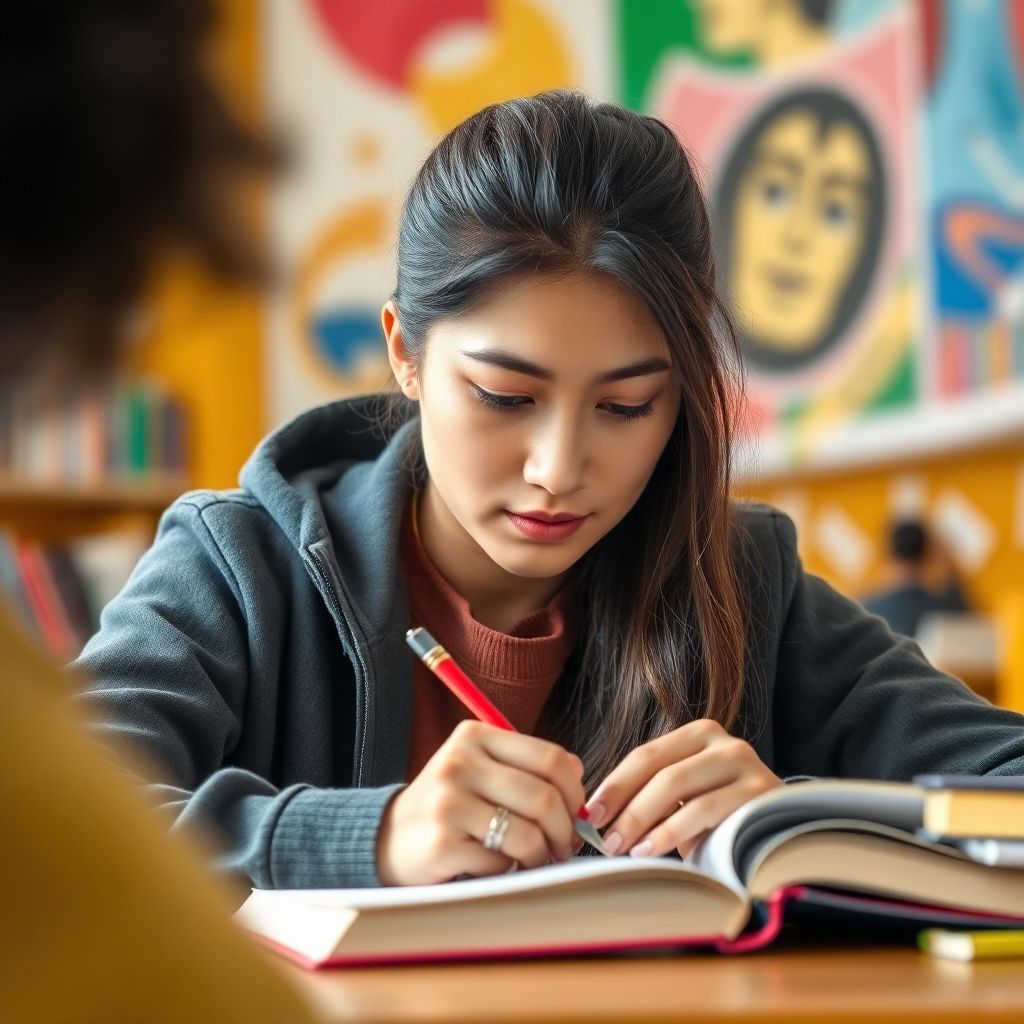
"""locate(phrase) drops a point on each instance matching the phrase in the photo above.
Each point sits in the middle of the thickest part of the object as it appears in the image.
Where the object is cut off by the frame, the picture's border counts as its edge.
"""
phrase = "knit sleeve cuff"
(327, 838)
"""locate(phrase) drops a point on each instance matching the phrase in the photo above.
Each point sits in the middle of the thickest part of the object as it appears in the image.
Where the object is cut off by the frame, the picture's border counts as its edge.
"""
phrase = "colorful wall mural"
(864, 162)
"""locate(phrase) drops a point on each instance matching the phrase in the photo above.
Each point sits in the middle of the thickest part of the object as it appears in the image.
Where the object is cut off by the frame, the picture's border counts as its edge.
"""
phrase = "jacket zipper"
(348, 630)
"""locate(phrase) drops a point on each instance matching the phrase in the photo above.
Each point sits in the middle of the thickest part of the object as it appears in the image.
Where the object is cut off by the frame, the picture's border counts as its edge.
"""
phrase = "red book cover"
(44, 598)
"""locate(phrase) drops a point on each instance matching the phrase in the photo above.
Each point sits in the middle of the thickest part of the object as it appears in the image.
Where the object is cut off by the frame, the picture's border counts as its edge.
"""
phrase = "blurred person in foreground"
(920, 579)
(116, 149)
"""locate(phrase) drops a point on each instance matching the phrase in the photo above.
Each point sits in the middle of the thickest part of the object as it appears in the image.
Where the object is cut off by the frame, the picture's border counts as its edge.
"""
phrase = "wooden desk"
(829, 985)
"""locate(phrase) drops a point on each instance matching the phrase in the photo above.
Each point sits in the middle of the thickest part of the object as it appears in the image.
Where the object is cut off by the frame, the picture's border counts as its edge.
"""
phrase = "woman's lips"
(545, 529)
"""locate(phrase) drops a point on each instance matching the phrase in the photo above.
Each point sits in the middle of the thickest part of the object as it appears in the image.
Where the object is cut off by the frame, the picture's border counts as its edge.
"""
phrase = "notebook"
(846, 847)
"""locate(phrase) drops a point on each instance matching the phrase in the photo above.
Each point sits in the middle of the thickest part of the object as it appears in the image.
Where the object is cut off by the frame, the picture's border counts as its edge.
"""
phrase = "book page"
(573, 873)
(725, 852)
(585, 904)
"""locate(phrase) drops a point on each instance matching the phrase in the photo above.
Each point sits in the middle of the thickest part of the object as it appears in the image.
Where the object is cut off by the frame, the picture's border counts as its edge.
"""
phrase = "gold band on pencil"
(434, 656)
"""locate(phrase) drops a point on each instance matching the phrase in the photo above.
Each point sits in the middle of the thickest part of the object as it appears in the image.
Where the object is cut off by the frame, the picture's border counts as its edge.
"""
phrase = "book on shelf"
(846, 851)
(58, 591)
(133, 430)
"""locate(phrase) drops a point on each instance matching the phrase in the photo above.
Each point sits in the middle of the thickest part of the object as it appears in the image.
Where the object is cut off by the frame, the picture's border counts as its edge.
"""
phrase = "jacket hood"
(303, 465)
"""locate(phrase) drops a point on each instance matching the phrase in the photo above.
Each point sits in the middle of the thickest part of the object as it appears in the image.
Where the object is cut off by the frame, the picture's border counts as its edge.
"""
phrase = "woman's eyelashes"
(506, 403)
(630, 412)
(509, 403)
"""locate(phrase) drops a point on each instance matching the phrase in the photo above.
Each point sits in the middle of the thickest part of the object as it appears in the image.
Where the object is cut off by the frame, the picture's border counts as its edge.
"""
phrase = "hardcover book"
(843, 848)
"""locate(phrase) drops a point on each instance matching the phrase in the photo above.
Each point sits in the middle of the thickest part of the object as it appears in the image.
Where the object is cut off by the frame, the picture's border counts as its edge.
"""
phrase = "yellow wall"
(207, 340)
(988, 480)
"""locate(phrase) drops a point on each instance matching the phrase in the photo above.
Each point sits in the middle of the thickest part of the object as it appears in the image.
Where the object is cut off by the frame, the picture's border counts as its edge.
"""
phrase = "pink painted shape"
(709, 111)
(382, 37)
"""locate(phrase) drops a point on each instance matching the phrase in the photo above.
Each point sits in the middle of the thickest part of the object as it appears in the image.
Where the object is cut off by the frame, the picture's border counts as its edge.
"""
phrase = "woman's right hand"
(433, 830)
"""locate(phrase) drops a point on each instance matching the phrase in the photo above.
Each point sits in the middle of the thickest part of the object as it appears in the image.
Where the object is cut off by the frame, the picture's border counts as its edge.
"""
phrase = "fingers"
(531, 800)
(666, 793)
(524, 841)
(538, 757)
(434, 829)
(533, 778)
(683, 829)
(643, 763)
(661, 797)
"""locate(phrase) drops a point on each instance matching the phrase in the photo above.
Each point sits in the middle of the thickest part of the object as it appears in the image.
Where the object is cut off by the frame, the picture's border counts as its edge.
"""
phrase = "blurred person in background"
(920, 579)
(116, 149)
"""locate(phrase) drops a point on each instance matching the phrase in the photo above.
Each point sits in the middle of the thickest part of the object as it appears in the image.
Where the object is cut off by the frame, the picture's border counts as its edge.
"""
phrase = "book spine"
(12, 583)
(138, 413)
(71, 595)
(42, 591)
(775, 913)
(93, 437)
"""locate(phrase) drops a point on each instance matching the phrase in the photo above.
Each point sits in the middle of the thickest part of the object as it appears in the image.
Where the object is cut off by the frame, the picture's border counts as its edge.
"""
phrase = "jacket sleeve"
(854, 700)
(171, 679)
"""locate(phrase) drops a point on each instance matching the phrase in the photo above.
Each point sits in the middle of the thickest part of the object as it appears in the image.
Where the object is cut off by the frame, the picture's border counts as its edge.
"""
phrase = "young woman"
(554, 508)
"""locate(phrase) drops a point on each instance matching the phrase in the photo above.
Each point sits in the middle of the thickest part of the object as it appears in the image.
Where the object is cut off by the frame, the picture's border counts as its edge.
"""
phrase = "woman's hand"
(433, 830)
(667, 793)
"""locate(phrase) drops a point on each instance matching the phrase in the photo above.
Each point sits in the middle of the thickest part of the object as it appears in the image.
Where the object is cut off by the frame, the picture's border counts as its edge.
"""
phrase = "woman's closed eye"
(508, 403)
(629, 412)
(505, 403)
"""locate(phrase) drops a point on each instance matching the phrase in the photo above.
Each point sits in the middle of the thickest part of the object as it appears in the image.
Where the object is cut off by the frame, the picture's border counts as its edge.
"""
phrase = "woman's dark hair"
(828, 109)
(556, 184)
(115, 144)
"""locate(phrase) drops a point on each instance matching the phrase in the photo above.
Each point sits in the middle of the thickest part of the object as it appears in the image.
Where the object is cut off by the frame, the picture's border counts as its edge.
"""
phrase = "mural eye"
(836, 215)
(775, 193)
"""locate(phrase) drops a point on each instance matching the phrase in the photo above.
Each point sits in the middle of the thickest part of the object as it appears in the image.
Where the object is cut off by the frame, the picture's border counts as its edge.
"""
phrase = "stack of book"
(832, 854)
(982, 816)
(58, 591)
(130, 431)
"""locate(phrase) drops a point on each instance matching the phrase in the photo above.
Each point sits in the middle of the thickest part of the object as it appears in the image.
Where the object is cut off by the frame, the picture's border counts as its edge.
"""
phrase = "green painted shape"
(651, 29)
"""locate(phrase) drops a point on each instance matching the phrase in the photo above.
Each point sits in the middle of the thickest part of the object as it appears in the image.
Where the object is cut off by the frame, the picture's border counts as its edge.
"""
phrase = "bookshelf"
(202, 351)
(52, 512)
(148, 497)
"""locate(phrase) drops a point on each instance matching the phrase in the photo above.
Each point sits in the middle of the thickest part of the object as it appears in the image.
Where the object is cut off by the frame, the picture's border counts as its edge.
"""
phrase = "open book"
(836, 846)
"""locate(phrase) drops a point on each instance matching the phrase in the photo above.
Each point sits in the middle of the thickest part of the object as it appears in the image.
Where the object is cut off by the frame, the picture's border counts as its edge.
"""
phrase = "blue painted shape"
(342, 335)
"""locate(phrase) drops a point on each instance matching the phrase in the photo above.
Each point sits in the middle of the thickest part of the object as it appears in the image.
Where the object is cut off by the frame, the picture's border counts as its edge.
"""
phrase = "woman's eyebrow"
(508, 361)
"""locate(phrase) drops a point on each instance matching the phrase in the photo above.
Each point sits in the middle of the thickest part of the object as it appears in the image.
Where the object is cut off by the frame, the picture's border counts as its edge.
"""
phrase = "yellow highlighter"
(994, 945)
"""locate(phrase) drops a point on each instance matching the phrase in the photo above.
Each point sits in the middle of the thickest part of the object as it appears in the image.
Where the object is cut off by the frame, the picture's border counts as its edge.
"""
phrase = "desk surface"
(835, 984)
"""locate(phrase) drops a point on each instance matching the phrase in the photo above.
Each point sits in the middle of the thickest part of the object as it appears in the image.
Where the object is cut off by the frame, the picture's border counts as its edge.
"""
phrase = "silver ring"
(497, 828)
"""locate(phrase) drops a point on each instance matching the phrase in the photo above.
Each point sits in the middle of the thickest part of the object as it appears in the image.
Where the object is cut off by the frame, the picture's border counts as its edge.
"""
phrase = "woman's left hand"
(667, 793)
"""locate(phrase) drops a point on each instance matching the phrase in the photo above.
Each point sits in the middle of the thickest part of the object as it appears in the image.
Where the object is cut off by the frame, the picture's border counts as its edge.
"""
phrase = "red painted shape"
(383, 37)
(931, 20)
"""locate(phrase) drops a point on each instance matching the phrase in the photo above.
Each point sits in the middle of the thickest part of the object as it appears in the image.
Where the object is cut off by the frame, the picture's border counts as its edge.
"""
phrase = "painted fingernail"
(613, 843)
(642, 849)
(565, 853)
(597, 811)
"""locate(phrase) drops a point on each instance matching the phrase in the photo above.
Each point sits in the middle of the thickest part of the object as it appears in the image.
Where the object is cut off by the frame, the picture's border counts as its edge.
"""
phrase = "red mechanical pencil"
(441, 663)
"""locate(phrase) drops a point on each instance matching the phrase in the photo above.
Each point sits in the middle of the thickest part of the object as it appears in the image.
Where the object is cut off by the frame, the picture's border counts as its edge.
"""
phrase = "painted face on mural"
(773, 31)
(729, 26)
(799, 218)
(799, 228)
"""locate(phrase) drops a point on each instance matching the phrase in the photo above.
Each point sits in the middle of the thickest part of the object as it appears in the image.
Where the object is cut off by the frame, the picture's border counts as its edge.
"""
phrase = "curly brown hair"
(116, 146)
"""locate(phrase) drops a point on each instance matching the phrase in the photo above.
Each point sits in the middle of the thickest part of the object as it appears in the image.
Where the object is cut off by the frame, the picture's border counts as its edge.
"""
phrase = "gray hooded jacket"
(257, 656)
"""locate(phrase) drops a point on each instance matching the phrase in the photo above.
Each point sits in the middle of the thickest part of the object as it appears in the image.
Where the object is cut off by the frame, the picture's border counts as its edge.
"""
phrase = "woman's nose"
(556, 458)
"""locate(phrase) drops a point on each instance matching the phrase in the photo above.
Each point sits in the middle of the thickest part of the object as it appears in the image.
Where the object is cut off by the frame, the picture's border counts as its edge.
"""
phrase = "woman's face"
(551, 400)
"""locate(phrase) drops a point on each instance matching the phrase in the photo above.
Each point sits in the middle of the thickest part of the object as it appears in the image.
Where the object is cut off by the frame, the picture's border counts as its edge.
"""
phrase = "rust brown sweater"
(517, 670)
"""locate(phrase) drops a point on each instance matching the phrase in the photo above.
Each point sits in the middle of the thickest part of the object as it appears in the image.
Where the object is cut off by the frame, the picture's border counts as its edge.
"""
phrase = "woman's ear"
(401, 365)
